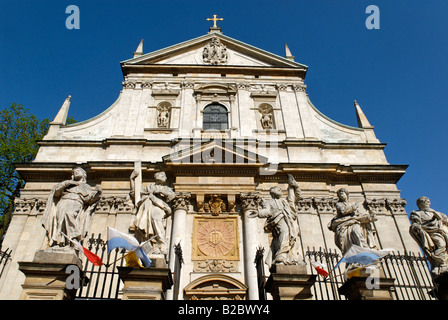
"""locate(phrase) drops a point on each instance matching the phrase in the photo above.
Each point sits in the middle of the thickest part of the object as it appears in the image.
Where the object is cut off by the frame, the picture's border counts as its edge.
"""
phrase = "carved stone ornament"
(113, 205)
(31, 207)
(250, 201)
(215, 238)
(215, 205)
(215, 53)
(181, 201)
(215, 265)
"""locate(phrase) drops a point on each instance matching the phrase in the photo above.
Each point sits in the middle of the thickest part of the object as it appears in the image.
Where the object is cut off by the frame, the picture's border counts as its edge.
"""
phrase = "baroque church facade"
(226, 122)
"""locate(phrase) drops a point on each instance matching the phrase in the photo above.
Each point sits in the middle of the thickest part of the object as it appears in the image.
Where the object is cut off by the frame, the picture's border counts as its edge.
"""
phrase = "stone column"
(249, 202)
(368, 286)
(47, 276)
(145, 283)
(290, 282)
(180, 207)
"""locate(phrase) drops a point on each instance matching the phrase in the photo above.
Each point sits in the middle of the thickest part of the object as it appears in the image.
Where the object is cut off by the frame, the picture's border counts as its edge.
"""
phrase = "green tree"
(19, 132)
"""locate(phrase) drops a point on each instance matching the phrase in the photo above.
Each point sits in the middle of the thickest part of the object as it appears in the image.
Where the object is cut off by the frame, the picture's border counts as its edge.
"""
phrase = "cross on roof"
(214, 19)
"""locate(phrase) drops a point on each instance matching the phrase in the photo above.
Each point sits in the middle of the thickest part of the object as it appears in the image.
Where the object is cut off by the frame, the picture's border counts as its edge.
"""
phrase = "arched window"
(215, 117)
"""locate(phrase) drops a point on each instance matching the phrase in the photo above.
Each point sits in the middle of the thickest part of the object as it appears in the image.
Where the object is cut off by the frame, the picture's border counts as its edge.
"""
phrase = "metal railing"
(5, 256)
(412, 276)
(101, 282)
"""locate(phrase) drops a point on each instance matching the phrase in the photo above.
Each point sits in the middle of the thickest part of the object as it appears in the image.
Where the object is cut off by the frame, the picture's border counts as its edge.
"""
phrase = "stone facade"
(271, 129)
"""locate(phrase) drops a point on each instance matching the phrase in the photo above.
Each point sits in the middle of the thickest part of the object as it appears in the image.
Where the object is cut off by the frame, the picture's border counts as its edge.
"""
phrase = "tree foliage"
(19, 132)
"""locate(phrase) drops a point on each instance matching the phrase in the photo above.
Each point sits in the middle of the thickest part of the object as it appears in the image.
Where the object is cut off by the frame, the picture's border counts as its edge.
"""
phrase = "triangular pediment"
(214, 49)
(218, 152)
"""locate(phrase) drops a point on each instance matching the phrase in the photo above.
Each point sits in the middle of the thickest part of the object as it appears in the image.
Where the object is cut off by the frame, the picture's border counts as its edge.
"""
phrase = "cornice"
(221, 69)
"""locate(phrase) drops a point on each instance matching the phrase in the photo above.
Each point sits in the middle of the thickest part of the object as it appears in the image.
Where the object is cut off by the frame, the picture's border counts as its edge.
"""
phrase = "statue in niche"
(163, 116)
(429, 229)
(267, 118)
(347, 223)
(266, 121)
(281, 221)
(152, 211)
(70, 208)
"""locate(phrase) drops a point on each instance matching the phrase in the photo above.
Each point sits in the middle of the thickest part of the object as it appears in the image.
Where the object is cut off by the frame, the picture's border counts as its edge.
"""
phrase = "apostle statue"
(281, 221)
(70, 208)
(152, 211)
(430, 229)
(346, 224)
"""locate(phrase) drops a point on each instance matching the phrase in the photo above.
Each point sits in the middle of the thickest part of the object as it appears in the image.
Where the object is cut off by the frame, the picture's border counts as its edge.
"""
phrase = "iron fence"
(411, 273)
(412, 276)
(101, 282)
(5, 256)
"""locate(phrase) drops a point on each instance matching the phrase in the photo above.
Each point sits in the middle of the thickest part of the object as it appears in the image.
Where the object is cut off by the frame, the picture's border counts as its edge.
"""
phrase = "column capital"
(250, 200)
(181, 201)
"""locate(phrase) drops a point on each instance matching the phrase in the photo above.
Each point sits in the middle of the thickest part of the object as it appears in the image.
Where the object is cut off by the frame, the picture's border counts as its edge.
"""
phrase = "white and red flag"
(320, 268)
(89, 254)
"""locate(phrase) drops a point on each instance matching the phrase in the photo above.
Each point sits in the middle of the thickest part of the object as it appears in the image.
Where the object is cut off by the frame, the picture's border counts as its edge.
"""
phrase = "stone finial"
(61, 117)
(139, 50)
(288, 54)
(361, 117)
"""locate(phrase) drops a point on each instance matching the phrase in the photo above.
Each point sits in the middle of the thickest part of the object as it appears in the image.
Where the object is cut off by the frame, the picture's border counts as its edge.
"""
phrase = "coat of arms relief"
(215, 53)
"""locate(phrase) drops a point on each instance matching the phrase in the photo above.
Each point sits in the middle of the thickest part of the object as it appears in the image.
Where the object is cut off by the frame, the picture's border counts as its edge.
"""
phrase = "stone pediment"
(218, 152)
(213, 49)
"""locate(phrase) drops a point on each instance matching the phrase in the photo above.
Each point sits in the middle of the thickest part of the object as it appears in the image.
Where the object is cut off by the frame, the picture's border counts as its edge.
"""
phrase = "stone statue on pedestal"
(346, 225)
(281, 221)
(70, 207)
(429, 229)
(152, 211)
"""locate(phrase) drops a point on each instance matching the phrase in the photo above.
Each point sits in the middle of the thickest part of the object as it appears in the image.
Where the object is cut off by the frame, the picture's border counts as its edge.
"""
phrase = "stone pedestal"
(47, 276)
(440, 290)
(145, 283)
(290, 282)
(367, 286)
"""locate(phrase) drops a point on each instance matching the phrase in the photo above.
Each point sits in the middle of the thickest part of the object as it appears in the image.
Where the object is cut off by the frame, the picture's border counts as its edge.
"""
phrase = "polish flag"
(320, 268)
(89, 254)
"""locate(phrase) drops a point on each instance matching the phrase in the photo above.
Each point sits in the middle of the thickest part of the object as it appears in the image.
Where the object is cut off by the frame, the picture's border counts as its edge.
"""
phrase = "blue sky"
(396, 73)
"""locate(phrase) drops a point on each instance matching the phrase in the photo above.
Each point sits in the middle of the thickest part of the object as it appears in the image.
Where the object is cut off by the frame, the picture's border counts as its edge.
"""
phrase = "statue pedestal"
(145, 283)
(368, 286)
(440, 290)
(290, 282)
(47, 276)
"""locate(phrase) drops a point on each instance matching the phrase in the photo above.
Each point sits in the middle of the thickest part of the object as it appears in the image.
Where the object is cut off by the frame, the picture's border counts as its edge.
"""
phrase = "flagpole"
(139, 246)
(123, 256)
